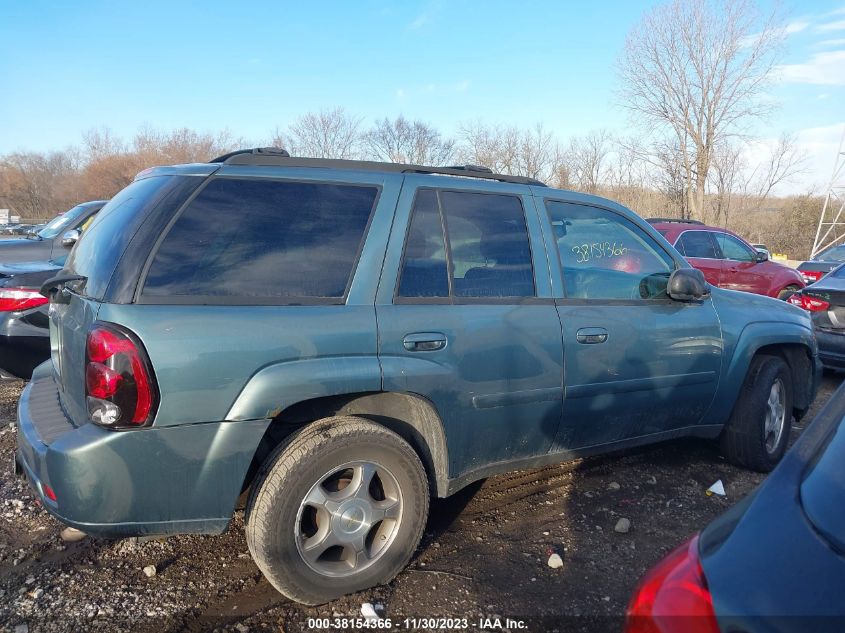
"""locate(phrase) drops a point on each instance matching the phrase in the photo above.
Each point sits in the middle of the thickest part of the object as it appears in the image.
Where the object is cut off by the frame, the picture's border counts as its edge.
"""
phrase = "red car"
(727, 260)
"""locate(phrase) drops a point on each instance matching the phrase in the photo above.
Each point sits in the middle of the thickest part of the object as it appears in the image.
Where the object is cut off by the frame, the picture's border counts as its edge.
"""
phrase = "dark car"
(822, 263)
(24, 325)
(367, 336)
(727, 260)
(773, 562)
(54, 241)
(825, 301)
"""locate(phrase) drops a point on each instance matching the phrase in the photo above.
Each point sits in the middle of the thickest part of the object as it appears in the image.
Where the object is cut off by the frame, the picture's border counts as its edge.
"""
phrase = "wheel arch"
(790, 341)
(411, 416)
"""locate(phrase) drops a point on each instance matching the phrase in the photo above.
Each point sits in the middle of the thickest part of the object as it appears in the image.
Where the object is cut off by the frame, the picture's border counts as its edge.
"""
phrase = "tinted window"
(263, 239)
(606, 256)
(424, 272)
(832, 254)
(488, 241)
(697, 244)
(97, 255)
(838, 272)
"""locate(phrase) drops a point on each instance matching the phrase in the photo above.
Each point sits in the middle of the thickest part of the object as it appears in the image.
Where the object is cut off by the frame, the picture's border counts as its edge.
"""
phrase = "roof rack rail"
(673, 220)
(276, 156)
(258, 151)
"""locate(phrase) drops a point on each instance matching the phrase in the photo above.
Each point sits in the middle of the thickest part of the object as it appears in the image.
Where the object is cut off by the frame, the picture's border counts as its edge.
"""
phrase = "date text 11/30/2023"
(445, 624)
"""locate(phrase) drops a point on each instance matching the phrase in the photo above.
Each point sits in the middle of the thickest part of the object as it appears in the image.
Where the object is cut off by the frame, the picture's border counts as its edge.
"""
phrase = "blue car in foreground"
(368, 335)
(773, 562)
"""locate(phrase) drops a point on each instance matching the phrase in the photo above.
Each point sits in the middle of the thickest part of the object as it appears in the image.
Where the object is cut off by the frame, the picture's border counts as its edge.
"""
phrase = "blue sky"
(252, 67)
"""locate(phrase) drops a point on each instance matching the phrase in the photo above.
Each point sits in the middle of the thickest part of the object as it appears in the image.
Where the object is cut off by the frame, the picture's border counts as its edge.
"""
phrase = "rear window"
(96, 255)
(263, 241)
(837, 273)
(833, 254)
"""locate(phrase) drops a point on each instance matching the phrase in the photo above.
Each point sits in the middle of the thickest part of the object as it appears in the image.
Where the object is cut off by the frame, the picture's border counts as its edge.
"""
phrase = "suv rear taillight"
(673, 597)
(119, 384)
(18, 299)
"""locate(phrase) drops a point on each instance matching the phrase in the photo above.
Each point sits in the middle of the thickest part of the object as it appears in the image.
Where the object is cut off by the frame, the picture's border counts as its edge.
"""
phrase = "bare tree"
(587, 158)
(403, 141)
(325, 134)
(697, 69)
(37, 185)
(509, 150)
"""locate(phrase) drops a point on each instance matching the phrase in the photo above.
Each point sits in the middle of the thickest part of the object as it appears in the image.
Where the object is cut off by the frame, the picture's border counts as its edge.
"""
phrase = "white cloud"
(420, 21)
(830, 43)
(838, 25)
(796, 27)
(820, 145)
(827, 69)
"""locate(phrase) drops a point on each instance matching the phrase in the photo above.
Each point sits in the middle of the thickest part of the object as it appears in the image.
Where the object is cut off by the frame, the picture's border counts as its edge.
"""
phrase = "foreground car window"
(605, 256)
(823, 491)
(263, 239)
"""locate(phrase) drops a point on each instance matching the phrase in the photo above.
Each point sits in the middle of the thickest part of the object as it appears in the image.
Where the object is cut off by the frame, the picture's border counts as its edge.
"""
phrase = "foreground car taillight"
(673, 596)
(812, 304)
(811, 276)
(119, 384)
(18, 299)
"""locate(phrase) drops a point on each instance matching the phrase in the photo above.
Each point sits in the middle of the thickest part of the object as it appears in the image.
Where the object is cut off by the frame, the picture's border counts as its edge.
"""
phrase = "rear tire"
(758, 432)
(787, 292)
(337, 508)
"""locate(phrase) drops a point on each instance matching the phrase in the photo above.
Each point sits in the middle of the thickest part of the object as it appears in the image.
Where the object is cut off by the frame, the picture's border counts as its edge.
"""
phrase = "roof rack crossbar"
(274, 156)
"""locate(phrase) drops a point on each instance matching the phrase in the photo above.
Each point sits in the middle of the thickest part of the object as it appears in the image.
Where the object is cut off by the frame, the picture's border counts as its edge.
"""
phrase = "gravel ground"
(484, 553)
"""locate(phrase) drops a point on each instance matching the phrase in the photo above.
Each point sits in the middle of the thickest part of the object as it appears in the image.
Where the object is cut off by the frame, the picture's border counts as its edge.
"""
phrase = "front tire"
(339, 507)
(758, 432)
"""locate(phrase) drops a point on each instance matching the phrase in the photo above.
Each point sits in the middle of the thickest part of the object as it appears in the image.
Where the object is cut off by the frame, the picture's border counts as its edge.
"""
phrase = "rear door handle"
(424, 341)
(591, 335)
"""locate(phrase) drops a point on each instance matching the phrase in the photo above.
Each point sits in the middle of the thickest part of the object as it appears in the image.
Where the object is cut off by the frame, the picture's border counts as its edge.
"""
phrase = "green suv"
(343, 340)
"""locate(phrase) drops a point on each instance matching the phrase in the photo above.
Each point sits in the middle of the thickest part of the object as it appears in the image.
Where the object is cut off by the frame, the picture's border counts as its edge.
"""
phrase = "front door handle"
(591, 335)
(424, 341)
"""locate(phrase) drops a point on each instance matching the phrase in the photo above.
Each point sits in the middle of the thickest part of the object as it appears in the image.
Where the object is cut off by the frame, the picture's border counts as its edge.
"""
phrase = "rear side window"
(697, 244)
(263, 240)
(424, 272)
(96, 255)
(487, 241)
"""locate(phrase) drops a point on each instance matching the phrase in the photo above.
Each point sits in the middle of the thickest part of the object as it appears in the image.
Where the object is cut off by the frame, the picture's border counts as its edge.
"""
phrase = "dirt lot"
(484, 553)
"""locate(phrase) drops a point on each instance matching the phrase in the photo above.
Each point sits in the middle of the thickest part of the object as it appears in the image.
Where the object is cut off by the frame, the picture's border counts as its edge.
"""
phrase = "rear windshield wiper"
(53, 283)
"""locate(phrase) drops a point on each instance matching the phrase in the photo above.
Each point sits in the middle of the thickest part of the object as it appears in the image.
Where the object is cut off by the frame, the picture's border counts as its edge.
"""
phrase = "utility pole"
(831, 228)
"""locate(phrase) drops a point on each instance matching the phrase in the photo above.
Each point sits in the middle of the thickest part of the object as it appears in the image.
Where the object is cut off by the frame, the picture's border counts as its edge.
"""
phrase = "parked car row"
(727, 260)
(25, 263)
(367, 336)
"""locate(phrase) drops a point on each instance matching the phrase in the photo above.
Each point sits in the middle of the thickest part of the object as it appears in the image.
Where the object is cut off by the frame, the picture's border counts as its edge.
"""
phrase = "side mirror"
(687, 284)
(762, 256)
(70, 238)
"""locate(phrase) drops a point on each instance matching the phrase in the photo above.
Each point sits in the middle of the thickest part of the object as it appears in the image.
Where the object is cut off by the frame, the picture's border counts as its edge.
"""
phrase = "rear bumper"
(831, 348)
(183, 479)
